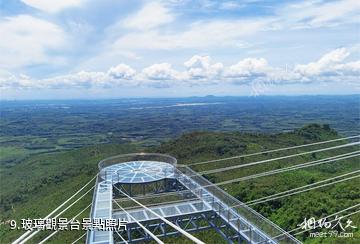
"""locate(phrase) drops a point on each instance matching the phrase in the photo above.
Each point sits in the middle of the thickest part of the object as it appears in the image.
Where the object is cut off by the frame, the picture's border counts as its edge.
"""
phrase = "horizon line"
(179, 97)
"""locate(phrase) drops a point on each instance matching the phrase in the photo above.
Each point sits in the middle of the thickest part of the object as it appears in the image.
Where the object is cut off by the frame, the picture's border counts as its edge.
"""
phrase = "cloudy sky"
(113, 48)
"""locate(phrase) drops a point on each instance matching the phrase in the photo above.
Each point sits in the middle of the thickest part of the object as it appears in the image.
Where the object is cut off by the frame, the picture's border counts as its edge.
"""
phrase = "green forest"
(34, 187)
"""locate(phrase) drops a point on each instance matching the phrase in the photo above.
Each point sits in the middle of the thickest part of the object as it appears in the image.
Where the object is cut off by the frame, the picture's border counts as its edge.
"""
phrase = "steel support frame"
(239, 232)
(222, 218)
(165, 185)
(191, 223)
(225, 211)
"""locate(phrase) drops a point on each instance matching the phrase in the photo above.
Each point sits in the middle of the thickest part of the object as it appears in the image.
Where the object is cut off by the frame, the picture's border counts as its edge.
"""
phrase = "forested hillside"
(35, 186)
(290, 211)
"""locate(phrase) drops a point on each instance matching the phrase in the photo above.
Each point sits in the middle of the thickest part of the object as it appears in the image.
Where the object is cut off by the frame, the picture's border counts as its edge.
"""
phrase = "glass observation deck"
(141, 170)
(167, 210)
(136, 172)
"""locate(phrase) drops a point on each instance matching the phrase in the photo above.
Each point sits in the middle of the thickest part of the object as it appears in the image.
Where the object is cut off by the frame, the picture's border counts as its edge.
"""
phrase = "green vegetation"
(49, 149)
(41, 182)
(287, 212)
(12, 154)
(50, 126)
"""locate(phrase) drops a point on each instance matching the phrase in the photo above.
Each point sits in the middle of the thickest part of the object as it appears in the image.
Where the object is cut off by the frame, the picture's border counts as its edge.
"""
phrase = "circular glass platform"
(139, 172)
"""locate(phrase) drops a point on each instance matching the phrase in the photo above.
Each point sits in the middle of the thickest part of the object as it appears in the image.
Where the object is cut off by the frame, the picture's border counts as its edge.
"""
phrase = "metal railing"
(88, 232)
(228, 207)
(250, 224)
(156, 157)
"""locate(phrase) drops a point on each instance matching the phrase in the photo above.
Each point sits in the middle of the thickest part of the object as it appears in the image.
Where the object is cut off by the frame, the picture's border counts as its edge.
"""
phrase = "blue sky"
(112, 48)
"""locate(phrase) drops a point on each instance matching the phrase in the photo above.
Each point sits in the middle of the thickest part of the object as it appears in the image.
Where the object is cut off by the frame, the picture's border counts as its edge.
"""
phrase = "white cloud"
(81, 79)
(159, 75)
(121, 71)
(327, 64)
(317, 13)
(162, 71)
(152, 15)
(248, 67)
(52, 6)
(231, 5)
(120, 75)
(351, 68)
(199, 35)
(258, 71)
(25, 40)
(217, 33)
(200, 70)
(202, 67)
(8, 80)
(144, 30)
